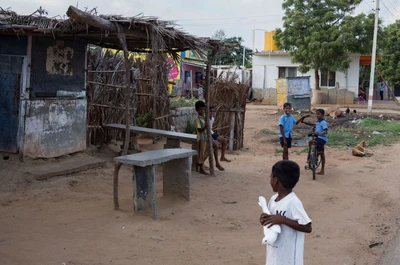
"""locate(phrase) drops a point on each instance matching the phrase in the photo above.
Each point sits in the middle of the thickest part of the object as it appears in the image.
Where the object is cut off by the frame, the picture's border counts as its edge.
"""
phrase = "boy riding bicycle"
(321, 131)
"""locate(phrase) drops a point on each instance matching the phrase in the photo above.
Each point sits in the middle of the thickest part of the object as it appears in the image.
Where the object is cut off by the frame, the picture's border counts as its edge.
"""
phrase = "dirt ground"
(70, 219)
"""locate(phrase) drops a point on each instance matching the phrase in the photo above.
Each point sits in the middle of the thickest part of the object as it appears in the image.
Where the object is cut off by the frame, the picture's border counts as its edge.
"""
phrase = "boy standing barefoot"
(286, 123)
(288, 211)
(201, 129)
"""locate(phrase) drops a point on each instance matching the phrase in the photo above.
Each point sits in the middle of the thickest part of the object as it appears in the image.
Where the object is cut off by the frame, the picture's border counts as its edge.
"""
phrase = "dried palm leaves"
(229, 98)
(105, 91)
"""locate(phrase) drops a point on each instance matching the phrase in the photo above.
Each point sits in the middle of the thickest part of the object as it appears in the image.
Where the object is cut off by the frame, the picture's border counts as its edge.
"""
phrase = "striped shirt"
(199, 123)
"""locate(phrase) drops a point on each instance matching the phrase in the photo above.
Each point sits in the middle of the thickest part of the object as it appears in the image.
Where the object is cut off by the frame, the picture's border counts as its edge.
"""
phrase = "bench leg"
(176, 177)
(172, 143)
(145, 197)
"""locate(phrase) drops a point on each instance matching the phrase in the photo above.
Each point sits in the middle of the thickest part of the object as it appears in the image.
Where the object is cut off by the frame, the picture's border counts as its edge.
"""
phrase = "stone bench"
(173, 138)
(176, 175)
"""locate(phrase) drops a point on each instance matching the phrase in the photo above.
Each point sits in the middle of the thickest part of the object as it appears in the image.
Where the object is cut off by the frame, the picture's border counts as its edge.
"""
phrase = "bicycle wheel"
(313, 160)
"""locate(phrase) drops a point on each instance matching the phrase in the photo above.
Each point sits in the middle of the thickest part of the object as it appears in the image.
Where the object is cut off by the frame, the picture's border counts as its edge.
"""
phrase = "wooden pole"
(128, 92)
(191, 84)
(207, 101)
(232, 130)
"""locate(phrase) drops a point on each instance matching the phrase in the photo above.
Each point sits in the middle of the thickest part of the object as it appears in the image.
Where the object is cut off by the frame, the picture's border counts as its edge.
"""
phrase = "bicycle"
(313, 156)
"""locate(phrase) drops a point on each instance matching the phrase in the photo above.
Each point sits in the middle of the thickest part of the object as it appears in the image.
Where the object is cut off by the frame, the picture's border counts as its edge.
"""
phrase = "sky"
(201, 18)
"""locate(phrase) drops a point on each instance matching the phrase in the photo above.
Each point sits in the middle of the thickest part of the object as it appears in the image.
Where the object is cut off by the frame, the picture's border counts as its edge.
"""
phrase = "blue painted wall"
(13, 45)
(42, 81)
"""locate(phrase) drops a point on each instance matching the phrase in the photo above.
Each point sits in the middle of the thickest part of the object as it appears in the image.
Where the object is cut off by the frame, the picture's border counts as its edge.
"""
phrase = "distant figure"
(381, 90)
(347, 110)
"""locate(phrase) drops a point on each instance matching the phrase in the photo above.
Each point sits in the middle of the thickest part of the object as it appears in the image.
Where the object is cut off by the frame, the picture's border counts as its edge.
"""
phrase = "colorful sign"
(174, 73)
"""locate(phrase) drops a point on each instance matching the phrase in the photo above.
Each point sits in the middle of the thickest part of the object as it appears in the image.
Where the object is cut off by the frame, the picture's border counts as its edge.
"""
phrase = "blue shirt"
(320, 127)
(287, 121)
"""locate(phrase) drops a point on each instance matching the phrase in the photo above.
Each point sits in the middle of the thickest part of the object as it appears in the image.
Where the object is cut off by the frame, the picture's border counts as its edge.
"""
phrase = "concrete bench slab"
(176, 175)
(162, 133)
(154, 157)
(173, 138)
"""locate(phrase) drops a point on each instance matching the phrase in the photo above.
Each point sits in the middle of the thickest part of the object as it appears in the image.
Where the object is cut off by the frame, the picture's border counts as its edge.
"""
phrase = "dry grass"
(106, 97)
(229, 98)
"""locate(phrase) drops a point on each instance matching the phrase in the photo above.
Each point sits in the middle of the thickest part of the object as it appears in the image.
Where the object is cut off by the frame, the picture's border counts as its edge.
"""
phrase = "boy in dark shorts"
(286, 123)
(321, 130)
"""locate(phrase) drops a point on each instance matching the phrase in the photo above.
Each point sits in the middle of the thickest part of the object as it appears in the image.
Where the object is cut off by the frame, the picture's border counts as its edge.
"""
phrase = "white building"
(227, 71)
(271, 65)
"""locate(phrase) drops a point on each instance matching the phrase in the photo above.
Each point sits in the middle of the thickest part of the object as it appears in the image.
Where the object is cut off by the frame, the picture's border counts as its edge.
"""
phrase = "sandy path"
(71, 220)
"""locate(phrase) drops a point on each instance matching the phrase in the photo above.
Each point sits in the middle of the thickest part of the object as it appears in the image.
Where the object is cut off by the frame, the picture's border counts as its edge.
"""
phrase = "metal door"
(10, 85)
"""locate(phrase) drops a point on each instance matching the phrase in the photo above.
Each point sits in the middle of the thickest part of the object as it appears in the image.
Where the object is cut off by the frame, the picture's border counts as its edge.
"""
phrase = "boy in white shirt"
(287, 211)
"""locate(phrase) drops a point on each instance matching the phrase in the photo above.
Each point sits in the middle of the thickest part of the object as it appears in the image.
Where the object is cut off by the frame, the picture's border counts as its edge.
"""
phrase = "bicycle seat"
(312, 135)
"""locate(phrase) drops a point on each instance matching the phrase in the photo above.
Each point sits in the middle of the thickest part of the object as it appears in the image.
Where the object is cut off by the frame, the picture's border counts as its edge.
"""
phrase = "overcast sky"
(201, 18)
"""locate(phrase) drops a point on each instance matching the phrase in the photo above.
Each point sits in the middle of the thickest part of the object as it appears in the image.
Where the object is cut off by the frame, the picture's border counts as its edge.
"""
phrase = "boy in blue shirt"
(286, 122)
(321, 130)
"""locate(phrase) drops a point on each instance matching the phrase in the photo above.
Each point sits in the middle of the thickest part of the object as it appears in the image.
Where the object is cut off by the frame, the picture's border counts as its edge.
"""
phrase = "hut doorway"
(10, 86)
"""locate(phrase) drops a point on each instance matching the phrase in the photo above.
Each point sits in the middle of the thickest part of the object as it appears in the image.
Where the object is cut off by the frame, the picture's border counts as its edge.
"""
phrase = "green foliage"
(372, 124)
(321, 34)
(390, 61)
(144, 120)
(232, 55)
(190, 128)
(303, 151)
(267, 132)
(181, 102)
(278, 151)
(343, 137)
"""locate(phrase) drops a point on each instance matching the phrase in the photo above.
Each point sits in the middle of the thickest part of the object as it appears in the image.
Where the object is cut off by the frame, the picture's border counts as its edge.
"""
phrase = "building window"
(287, 72)
(187, 77)
(198, 77)
(328, 80)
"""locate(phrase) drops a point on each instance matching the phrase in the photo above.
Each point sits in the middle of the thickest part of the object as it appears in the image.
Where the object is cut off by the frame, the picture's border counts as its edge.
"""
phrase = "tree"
(389, 64)
(219, 35)
(320, 34)
(234, 54)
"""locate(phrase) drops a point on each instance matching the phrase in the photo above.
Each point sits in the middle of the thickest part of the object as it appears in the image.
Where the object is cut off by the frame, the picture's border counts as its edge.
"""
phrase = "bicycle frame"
(313, 153)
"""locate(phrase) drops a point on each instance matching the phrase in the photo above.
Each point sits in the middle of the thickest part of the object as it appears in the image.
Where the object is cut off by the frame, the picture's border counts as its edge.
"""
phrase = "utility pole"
(244, 57)
(253, 37)
(373, 59)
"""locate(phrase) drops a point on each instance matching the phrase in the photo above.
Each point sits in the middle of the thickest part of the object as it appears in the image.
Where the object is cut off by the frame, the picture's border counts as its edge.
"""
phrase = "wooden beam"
(15, 26)
(104, 24)
(91, 20)
(207, 119)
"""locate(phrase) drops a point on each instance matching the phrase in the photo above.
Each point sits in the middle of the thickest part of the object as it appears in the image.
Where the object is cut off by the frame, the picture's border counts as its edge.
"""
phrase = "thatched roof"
(143, 34)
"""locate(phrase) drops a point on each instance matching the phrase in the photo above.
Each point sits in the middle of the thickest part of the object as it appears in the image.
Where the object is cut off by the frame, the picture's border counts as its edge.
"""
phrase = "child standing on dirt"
(217, 138)
(288, 211)
(201, 129)
(286, 122)
(321, 131)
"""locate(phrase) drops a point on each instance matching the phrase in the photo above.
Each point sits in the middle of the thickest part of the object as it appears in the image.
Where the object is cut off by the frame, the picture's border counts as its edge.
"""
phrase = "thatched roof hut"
(46, 57)
(143, 34)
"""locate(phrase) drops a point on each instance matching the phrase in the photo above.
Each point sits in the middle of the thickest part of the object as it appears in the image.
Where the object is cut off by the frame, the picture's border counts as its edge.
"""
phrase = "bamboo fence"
(106, 92)
(229, 98)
